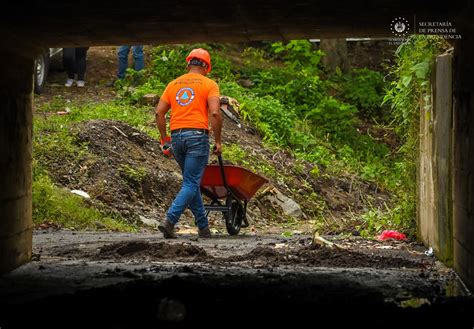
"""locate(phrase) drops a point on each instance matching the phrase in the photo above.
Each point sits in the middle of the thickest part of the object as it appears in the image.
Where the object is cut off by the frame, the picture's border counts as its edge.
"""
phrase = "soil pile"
(321, 256)
(260, 256)
(124, 170)
(152, 251)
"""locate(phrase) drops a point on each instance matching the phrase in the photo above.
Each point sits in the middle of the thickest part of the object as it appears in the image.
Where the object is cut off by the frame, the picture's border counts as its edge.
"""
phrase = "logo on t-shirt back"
(185, 96)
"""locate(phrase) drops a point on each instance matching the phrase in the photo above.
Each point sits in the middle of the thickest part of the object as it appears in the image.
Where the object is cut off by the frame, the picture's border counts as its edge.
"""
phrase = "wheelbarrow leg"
(245, 220)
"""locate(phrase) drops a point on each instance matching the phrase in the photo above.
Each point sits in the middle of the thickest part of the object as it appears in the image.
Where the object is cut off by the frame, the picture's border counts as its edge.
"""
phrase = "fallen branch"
(120, 131)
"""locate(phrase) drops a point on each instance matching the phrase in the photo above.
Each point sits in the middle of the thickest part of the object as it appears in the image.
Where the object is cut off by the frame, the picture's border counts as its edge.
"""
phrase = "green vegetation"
(408, 91)
(236, 154)
(134, 175)
(54, 143)
(52, 204)
(139, 116)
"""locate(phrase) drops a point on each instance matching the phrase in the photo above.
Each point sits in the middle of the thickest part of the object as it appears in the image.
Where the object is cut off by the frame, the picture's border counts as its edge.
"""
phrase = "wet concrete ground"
(117, 280)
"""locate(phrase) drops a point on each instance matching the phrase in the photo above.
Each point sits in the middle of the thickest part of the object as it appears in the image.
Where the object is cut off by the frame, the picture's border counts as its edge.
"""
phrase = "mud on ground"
(243, 251)
(123, 280)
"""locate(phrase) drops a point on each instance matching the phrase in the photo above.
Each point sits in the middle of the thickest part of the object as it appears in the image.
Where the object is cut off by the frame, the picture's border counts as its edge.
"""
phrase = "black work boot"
(204, 233)
(167, 229)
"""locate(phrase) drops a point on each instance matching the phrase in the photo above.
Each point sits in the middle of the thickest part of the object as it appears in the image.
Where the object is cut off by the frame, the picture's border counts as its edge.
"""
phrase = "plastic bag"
(389, 234)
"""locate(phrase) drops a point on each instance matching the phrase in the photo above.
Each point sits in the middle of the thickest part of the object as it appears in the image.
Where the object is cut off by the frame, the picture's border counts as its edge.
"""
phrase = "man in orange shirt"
(194, 102)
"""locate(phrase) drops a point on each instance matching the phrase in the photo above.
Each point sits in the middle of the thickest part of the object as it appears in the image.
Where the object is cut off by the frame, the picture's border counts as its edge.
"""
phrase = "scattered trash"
(228, 108)
(67, 110)
(389, 234)
(384, 247)
(280, 245)
(81, 193)
(429, 252)
(317, 239)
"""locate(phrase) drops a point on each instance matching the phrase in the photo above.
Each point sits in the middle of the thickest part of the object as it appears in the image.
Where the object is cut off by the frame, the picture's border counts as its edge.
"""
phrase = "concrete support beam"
(463, 160)
(442, 155)
(16, 97)
(435, 221)
(426, 214)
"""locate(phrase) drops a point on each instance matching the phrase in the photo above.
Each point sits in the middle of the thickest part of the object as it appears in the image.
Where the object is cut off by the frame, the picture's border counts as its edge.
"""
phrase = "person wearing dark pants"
(75, 63)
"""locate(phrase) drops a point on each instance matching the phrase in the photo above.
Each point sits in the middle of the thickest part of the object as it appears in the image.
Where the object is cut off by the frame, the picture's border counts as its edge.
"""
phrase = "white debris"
(429, 252)
(81, 193)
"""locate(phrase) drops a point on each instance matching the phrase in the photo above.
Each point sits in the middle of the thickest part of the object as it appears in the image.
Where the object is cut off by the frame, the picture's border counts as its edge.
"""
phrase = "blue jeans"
(191, 151)
(123, 52)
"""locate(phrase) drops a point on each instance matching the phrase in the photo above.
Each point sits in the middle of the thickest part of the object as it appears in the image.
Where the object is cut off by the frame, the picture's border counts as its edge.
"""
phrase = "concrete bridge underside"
(26, 28)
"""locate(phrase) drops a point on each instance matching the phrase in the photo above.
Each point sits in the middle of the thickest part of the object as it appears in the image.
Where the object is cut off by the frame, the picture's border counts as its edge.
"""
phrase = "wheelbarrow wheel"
(233, 219)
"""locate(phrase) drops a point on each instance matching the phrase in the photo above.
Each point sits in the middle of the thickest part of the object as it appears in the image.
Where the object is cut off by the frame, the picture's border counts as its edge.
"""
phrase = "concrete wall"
(435, 169)
(463, 161)
(426, 217)
(16, 87)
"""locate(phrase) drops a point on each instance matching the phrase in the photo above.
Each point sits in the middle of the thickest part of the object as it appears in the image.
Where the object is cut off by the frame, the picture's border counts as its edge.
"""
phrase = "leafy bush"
(364, 89)
(410, 82)
(298, 54)
(332, 117)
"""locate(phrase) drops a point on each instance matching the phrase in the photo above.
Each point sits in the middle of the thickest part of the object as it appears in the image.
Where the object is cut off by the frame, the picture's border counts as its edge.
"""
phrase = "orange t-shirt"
(187, 97)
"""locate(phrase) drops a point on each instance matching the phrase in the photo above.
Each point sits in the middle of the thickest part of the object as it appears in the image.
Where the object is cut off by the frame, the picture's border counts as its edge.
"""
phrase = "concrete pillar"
(16, 85)
(335, 55)
(426, 211)
(463, 159)
(442, 154)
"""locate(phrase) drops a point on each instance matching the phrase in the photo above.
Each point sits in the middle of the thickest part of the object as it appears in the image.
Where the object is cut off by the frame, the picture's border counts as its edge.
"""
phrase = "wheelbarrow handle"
(221, 165)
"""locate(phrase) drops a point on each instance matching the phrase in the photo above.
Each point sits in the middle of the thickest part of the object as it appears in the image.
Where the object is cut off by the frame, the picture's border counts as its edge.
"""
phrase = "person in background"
(194, 102)
(139, 63)
(75, 63)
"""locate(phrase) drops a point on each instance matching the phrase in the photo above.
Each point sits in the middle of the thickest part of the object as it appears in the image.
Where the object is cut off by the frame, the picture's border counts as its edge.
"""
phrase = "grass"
(56, 205)
(140, 117)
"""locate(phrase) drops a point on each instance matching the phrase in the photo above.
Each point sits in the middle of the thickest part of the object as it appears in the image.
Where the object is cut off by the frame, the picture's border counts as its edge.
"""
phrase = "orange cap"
(201, 54)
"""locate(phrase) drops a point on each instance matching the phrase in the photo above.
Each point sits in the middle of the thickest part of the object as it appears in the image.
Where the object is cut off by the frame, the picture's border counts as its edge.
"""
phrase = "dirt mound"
(321, 256)
(266, 256)
(152, 251)
(125, 170)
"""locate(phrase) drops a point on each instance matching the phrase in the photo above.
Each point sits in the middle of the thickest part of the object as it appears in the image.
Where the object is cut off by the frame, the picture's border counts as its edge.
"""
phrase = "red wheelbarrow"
(230, 188)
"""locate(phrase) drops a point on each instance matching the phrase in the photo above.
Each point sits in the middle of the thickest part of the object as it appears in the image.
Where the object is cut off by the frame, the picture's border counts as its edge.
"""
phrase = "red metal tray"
(243, 183)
